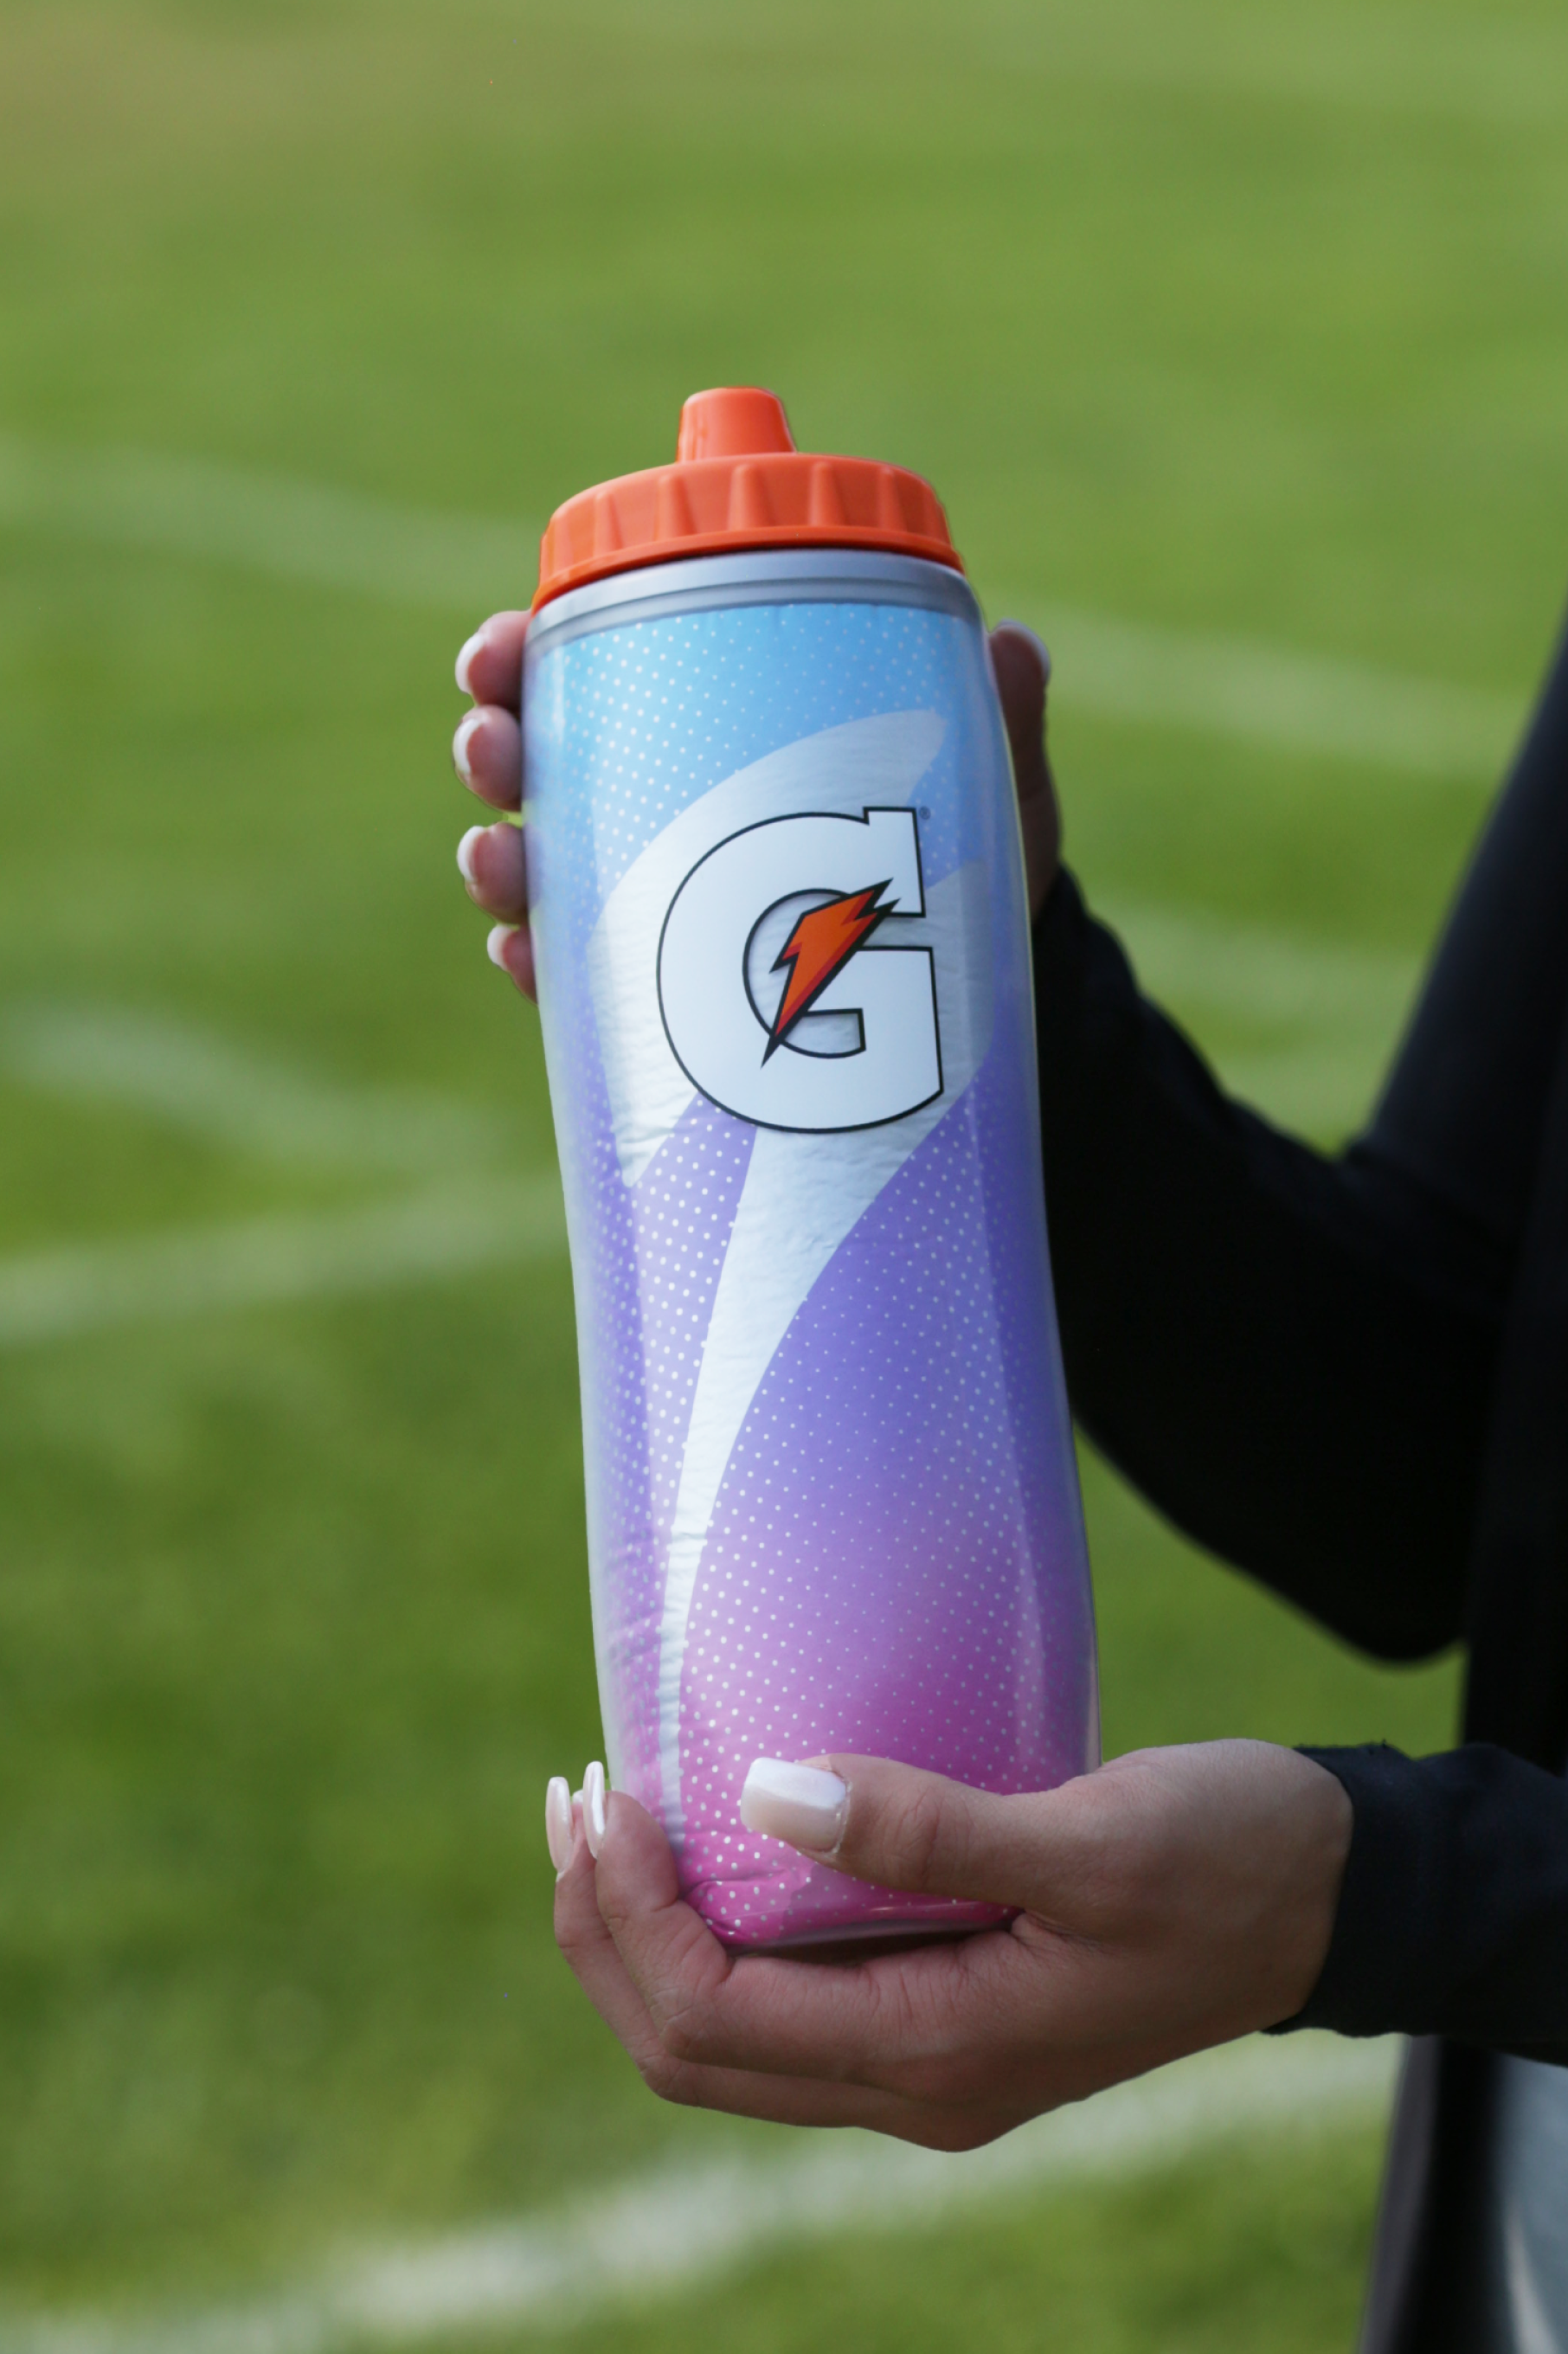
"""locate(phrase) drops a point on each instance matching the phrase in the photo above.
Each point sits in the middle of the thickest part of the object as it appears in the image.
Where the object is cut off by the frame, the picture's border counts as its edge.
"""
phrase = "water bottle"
(782, 941)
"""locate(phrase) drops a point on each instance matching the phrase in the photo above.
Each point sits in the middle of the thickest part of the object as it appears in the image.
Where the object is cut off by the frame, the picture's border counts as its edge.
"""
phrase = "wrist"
(1322, 1821)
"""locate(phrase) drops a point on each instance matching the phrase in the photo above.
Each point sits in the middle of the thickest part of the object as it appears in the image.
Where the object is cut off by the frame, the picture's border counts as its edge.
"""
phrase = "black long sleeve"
(1453, 1918)
(1290, 1354)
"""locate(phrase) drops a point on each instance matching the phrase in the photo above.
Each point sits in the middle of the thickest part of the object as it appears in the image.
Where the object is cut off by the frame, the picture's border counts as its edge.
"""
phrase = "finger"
(673, 1957)
(510, 948)
(851, 2024)
(1022, 672)
(1022, 668)
(586, 1939)
(707, 2008)
(900, 1828)
(490, 665)
(487, 753)
(559, 1822)
(493, 862)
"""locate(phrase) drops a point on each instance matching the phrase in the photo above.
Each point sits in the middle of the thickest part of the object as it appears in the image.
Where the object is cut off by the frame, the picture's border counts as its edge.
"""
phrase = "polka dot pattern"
(885, 1574)
(628, 726)
(895, 1564)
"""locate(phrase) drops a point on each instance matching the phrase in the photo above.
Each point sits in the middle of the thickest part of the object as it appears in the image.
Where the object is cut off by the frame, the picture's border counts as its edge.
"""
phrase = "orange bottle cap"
(739, 482)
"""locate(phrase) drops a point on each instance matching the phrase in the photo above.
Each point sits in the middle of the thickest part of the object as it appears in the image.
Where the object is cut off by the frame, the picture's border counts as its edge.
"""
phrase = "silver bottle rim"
(792, 576)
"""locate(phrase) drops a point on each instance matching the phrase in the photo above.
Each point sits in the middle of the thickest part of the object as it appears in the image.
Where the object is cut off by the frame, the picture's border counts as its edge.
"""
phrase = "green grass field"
(1233, 339)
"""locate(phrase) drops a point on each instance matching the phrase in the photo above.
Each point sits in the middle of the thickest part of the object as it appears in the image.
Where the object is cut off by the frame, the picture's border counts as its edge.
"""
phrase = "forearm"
(1268, 1343)
(1452, 1913)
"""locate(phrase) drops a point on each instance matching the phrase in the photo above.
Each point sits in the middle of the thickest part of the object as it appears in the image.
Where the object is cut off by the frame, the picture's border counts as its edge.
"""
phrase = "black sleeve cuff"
(1453, 1915)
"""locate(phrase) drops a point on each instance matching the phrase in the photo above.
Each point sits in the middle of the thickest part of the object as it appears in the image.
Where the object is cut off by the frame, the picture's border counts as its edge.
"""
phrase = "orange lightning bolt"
(821, 944)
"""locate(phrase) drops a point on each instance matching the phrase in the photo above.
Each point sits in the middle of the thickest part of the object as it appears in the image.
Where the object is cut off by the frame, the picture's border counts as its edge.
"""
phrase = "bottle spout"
(735, 421)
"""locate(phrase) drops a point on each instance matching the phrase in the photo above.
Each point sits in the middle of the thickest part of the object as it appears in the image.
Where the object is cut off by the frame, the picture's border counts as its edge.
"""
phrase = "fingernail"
(465, 658)
(465, 853)
(1035, 640)
(559, 1821)
(801, 1804)
(495, 945)
(467, 728)
(593, 1806)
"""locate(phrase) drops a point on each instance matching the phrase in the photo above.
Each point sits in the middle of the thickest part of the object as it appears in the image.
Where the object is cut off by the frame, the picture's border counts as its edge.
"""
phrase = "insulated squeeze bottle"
(777, 898)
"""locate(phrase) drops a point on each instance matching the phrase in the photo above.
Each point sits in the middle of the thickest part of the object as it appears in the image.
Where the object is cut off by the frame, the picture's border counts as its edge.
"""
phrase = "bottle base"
(864, 1941)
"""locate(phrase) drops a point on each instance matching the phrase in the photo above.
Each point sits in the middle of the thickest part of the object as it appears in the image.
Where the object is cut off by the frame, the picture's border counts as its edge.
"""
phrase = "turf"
(1250, 2254)
(1237, 321)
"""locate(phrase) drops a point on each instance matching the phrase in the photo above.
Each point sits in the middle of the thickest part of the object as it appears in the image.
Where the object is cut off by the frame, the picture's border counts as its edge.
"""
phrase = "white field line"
(211, 1088)
(268, 523)
(1323, 1014)
(1505, 79)
(1301, 1029)
(55, 1295)
(678, 2226)
(1263, 695)
(1329, 989)
(468, 565)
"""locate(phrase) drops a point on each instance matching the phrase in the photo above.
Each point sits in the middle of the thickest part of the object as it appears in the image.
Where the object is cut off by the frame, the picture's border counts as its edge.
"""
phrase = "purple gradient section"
(893, 1567)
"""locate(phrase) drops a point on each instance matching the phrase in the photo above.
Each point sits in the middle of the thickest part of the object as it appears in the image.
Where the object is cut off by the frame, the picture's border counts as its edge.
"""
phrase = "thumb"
(903, 1829)
(1022, 670)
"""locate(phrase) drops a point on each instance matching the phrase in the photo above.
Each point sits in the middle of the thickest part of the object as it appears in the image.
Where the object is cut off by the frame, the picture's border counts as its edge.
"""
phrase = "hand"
(487, 752)
(1172, 1900)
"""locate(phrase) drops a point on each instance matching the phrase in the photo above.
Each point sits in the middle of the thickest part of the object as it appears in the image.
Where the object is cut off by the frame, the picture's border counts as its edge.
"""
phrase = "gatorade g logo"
(784, 992)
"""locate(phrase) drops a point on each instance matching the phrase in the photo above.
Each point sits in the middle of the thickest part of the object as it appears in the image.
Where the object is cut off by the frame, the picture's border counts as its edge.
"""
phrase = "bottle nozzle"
(735, 421)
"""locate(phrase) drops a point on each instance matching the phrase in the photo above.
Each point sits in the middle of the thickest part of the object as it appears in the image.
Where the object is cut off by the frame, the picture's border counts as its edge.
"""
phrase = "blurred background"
(1235, 338)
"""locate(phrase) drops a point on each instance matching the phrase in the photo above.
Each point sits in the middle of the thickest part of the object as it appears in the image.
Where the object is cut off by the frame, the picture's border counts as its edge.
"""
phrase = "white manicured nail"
(593, 1806)
(467, 728)
(802, 1804)
(495, 944)
(465, 853)
(465, 657)
(1035, 640)
(559, 1821)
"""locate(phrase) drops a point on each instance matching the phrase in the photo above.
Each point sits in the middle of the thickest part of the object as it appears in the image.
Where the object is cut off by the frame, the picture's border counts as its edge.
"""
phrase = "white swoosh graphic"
(802, 1193)
(802, 1196)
